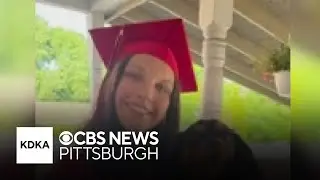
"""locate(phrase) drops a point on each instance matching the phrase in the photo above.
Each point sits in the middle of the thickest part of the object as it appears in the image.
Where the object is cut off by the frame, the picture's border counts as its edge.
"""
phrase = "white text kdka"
(34, 145)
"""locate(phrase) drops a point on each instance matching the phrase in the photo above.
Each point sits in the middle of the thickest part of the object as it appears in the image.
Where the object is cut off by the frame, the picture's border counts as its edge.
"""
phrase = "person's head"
(148, 66)
(141, 93)
(144, 93)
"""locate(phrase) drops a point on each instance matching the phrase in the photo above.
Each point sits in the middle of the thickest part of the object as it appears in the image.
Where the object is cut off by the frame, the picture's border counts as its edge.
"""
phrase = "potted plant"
(278, 65)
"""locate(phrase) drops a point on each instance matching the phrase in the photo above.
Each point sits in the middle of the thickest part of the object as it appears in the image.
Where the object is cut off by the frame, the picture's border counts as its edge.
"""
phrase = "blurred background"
(60, 61)
(63, 84)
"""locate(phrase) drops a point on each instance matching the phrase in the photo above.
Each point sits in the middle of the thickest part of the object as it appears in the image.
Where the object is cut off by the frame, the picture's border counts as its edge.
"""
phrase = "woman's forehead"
(151, 65)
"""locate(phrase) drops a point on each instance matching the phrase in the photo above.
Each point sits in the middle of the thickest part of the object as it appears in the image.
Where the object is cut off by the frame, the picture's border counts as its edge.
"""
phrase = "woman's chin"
(137, 124)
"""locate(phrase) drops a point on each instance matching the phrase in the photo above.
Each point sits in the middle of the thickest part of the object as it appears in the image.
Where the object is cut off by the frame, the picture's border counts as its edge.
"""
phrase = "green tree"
(62, 64)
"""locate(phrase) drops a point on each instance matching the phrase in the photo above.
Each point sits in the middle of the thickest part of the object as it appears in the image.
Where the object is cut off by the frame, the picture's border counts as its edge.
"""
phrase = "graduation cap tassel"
(117, 45)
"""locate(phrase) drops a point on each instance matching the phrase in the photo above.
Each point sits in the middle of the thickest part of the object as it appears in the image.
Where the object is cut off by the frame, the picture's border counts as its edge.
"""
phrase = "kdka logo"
(34, 145)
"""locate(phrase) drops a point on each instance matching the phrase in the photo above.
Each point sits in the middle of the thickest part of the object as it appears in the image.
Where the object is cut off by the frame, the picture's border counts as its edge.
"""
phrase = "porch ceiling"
(250, 40)
(259, 26)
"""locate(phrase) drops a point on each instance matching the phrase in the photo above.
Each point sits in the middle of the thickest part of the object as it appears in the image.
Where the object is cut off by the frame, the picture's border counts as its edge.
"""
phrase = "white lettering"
(77, 152)
(97, 153)
(64, 153)
(87, 152)
(106, 151)
(141, 136)
(113, 137)
(153, 136)
(155, 153)
(126, 136)
(128, 151)
(90, 138)
(100, 136)
(143, 153)
(80, 143)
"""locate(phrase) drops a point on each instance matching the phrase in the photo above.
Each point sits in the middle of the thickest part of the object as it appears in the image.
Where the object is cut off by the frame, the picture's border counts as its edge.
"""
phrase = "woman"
(148, 66)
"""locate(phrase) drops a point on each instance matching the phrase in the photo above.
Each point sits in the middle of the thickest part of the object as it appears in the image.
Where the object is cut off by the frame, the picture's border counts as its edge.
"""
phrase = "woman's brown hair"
(105, 118)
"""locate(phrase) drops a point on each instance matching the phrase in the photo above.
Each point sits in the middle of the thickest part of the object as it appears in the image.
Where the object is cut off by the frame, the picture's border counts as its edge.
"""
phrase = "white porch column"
(216, 17)
(95, 19)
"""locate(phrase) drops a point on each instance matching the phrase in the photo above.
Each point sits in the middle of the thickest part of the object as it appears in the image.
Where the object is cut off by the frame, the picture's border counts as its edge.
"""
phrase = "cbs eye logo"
(66, 138)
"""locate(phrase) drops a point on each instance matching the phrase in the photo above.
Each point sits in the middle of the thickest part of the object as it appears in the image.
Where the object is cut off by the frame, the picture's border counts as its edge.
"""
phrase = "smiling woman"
(149, 66)
(143, 94)
(141, 89)
(140, 92)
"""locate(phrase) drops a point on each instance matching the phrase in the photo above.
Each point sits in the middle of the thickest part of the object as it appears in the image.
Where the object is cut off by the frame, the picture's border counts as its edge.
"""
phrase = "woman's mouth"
(138, 108)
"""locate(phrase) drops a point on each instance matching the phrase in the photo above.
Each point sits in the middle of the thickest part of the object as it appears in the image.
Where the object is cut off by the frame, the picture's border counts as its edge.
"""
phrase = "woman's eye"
(133, 75)
(162, 88)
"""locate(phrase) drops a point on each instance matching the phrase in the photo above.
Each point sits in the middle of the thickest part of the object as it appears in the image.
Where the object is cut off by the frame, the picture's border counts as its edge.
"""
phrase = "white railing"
(61, 113)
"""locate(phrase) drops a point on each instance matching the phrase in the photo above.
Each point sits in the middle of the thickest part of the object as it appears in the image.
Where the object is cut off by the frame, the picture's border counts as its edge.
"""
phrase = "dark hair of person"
(105, 118)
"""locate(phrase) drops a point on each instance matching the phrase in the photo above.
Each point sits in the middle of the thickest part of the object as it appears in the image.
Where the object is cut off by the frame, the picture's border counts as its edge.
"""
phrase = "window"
(62, 55)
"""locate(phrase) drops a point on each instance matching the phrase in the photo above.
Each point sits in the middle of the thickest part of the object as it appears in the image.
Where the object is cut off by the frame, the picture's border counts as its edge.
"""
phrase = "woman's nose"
(148, 92)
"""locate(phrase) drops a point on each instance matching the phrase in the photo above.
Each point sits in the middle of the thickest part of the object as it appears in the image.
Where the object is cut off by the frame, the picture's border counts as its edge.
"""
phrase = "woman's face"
(143, 94)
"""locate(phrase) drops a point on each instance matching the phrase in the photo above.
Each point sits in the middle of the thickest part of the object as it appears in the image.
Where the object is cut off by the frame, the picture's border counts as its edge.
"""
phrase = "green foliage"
(62, 75)
(255, 117)
(62, 64)
(279, 60)
(16, 37)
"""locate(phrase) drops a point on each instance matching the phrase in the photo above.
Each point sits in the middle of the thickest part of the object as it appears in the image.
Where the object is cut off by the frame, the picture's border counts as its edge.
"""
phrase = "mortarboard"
(165, 39)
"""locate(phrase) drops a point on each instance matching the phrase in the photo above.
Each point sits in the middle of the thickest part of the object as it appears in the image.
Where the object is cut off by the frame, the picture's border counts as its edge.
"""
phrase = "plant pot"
(282, 82)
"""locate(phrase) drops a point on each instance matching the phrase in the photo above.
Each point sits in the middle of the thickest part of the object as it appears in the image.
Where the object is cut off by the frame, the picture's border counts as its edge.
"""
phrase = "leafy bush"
(279, 60)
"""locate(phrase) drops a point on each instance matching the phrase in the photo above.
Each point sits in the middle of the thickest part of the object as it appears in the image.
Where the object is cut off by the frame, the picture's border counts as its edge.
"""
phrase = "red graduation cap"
(165, 39)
